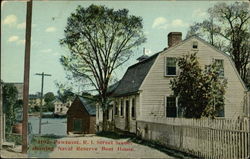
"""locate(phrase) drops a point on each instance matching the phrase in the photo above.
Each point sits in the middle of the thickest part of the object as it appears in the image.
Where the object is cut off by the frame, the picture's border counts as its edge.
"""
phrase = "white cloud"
(13, 38)
(160, 22)
(178, 23)
(201, 13)
(10, 20)
(50, 29)
(46, 50)
(21, 25)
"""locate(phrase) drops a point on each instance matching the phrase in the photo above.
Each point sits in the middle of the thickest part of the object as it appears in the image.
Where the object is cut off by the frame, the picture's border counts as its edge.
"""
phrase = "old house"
(81, 116)
(144, 92)
(61, 108)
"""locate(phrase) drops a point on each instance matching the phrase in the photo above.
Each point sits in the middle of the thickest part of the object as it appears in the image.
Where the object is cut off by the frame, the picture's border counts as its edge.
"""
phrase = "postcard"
(125, 79)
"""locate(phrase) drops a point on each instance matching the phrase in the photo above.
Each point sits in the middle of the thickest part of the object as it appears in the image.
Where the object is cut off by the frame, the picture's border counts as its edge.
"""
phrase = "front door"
(77, 125)
(127, 116)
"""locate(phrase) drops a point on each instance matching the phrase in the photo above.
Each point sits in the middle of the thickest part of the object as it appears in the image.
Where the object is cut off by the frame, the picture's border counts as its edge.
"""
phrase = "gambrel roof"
(134, 76)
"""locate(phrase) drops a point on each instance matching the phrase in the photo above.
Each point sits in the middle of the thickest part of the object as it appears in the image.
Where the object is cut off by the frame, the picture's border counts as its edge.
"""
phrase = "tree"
(48, 98)
(228, 25)
(100, 40)
(9, 100)
(200, 92)
(64, 93)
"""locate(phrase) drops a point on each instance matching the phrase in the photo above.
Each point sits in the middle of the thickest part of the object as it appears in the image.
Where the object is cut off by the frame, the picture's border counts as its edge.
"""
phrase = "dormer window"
(195, 45)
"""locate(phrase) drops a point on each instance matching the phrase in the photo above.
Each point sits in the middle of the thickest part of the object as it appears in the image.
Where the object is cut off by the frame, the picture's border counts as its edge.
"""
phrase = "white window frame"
(223, 65)
(195, 42)
(165, 67)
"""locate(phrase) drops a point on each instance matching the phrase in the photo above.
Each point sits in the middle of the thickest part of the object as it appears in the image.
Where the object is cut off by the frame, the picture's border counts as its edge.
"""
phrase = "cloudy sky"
(49, 20)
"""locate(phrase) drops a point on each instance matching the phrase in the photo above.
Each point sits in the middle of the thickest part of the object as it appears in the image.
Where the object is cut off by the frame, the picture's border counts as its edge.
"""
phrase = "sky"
(49, 20)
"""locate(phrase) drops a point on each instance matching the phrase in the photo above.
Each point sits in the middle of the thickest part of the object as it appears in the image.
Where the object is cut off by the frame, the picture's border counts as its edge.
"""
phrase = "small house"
(81, 116)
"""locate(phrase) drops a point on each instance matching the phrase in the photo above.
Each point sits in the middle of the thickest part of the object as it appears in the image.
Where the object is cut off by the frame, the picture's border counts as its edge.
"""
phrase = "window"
(133, 108)
(121, 108)
(220, 65)
(195, 45)
(171, 110)
(116, 108)
(170, 66)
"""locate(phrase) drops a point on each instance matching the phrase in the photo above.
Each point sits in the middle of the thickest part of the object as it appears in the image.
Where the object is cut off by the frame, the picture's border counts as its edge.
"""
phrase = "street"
(90, 146)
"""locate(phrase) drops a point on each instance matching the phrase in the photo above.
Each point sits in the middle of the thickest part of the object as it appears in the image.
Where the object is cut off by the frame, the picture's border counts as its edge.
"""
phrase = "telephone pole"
(41, 99)
(26, 77)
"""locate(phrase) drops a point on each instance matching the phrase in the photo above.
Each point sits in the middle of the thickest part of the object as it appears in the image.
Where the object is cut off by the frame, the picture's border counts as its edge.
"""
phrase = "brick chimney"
(174, 38)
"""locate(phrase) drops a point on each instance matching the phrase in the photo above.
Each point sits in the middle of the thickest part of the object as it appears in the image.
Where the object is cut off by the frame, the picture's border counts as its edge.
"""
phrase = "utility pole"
(41, 99)
(26, 77)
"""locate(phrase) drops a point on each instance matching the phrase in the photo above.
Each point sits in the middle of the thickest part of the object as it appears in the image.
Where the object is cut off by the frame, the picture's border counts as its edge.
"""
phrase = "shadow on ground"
(153, 144)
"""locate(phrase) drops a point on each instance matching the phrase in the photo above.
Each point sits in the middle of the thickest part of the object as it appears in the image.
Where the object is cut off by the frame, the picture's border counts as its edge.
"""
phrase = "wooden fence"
(205, 138)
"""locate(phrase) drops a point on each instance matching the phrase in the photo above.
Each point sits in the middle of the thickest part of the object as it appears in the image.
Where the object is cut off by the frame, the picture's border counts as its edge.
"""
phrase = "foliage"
(16, 138)
(64, 93)
(49, 97)
(9, 100)
(227, 28)
(100, 40)
(200, 92)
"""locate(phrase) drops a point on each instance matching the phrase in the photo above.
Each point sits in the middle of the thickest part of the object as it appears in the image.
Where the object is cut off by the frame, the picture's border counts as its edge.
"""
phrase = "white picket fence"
(205, 138)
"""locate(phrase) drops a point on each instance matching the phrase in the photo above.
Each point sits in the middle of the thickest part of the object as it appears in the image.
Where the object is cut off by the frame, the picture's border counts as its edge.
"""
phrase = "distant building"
(35, 100)
(81, 116)
(60, 107)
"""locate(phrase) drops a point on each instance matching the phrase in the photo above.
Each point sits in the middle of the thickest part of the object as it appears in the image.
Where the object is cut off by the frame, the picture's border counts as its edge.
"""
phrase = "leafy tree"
(227, 28)
(64, 93)
(49, 97)
(200, 92)
(9, 100)
(100, 40)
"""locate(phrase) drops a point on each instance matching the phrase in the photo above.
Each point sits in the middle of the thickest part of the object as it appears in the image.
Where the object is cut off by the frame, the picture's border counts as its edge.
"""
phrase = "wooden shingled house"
(81, 116)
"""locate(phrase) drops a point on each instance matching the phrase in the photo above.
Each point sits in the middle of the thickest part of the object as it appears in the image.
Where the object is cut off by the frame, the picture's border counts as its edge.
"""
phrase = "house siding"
(120, 120)
(77, 111)
(156, 85)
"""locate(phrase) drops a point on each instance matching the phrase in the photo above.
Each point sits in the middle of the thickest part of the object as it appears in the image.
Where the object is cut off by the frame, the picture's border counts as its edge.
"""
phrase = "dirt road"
(91, 147)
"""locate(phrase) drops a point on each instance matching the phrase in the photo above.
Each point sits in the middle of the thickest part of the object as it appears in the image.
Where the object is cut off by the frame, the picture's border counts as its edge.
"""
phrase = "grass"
(153, 144)
(16, 138)
(43, 154)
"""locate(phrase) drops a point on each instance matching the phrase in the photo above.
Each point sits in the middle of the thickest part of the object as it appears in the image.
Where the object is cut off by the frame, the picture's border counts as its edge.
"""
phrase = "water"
(56, 126)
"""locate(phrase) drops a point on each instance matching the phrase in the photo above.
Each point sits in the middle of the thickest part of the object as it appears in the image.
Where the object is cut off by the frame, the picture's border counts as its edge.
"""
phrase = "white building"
(60, 107)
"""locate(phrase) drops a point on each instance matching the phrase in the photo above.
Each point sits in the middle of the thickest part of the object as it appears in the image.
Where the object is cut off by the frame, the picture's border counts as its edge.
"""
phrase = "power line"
(41, 98)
